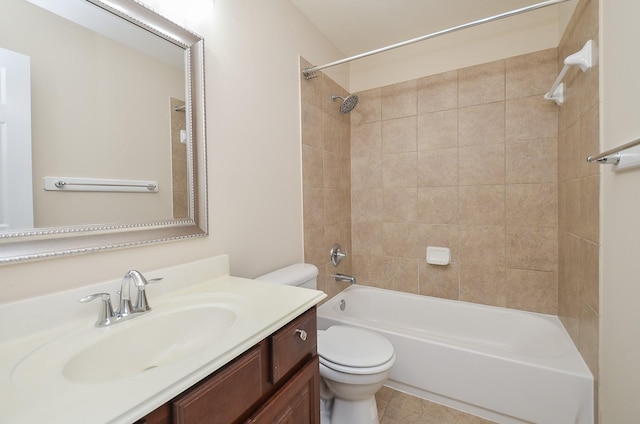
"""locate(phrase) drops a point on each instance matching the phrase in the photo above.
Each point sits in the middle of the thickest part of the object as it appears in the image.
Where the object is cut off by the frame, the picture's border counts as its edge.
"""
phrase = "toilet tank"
(301, 275)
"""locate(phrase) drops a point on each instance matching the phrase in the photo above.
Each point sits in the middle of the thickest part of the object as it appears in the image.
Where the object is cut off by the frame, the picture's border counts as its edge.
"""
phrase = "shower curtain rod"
(312, 71)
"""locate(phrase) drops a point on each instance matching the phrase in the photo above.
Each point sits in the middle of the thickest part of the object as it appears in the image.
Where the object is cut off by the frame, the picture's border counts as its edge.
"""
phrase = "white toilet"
(354, 363)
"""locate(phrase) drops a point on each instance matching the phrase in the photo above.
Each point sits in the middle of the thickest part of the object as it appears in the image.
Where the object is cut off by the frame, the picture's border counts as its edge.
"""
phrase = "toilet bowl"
(354, 363)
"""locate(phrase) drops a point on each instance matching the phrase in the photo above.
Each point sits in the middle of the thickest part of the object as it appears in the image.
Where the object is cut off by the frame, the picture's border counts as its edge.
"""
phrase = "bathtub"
(504, 365)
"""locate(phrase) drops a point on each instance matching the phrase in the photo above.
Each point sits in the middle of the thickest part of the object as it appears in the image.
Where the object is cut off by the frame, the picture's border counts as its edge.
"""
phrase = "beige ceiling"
(357, 26)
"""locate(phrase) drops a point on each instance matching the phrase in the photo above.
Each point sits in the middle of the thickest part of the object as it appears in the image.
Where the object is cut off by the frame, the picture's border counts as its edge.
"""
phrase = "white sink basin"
(160, 337)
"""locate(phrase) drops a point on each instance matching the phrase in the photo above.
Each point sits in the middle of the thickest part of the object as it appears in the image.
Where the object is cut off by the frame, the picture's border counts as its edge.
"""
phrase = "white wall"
(620, 217)
(521, 34)
(255, 201)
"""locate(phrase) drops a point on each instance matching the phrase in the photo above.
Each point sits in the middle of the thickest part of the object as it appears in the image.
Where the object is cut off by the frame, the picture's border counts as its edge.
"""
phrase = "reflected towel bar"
(99, 184)
(612, 156)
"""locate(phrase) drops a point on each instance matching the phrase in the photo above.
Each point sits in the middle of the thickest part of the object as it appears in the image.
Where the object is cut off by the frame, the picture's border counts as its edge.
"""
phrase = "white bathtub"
(501, 364)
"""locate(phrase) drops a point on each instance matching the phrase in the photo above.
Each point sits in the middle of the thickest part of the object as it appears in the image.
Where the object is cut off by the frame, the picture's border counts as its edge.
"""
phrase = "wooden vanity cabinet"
(276, 381)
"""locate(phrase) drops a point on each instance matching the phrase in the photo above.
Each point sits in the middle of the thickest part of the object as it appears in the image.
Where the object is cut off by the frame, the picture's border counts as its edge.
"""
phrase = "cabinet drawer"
(293, 344)
(227, 396)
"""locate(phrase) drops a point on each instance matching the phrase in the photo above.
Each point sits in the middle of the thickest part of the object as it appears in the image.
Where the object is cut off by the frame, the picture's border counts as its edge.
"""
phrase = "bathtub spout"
(344, 277)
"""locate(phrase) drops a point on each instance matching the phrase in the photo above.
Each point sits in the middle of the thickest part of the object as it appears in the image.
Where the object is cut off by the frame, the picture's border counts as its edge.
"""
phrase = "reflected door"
(16, 195)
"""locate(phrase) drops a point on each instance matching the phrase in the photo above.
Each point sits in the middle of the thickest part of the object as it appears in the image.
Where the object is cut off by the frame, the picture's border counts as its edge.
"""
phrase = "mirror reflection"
(85, 105)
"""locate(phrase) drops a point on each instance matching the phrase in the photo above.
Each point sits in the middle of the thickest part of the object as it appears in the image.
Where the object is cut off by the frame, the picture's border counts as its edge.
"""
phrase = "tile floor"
(395, 407)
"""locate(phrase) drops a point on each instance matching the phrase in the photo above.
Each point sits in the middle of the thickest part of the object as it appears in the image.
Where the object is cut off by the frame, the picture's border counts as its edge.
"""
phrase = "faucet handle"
(142, 304)
(106, 309)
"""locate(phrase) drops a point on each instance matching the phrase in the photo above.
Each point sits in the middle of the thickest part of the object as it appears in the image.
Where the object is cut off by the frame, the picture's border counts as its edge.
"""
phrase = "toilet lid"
(354, 347)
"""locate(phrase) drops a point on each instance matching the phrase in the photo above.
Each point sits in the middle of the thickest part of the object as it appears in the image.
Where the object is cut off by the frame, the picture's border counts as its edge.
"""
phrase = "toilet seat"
(354, 350)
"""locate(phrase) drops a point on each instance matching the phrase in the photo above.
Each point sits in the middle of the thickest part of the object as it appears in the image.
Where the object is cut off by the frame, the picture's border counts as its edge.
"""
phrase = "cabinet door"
(297, 402)
(227, 395)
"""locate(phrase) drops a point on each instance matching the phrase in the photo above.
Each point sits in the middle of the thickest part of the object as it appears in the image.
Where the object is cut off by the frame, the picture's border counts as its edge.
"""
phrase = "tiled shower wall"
(579, 188)
(326, 176)
(474, 160)
(466, 160)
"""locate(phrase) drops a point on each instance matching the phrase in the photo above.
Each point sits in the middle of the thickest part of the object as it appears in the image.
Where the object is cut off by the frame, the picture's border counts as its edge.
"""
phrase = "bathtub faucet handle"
(337, 255)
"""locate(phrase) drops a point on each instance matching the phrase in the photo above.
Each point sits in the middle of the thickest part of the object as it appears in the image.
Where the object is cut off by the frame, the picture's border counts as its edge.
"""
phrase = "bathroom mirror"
(117, 119)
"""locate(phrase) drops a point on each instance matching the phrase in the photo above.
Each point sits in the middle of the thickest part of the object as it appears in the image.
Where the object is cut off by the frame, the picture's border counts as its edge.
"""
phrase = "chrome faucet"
(344, 277)
(125, 310)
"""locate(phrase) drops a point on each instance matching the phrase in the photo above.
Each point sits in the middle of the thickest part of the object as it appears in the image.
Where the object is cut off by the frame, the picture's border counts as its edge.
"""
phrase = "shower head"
(348, 103)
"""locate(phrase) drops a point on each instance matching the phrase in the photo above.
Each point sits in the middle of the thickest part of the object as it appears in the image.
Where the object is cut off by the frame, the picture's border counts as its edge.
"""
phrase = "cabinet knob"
(302, 334)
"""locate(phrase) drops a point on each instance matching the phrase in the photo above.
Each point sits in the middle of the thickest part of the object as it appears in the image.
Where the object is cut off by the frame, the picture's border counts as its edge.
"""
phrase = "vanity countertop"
(34, 382)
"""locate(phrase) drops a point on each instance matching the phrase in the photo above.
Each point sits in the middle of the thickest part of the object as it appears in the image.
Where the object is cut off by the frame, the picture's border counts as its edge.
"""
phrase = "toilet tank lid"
(292, 275)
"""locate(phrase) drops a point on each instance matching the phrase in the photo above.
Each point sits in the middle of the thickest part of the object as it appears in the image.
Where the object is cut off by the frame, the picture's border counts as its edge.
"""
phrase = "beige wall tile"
(400, 240)
(482, 205)
(345, 181)
(588, 344)
(590, 137)
(569, 154)
(336, 203)
(589, 282)
(313, 210)
(332, 170)
(401, 274)
(588, 93)
(366, 139)
(438, 205)
(312, 126)
(483, 284)
(332, 134)
(314, 251)
(438, 168)
(569, 312)
(481, 165)
(366, 205)
(482, 124)
(400, 170)
(438, 92)
(440, 281)
(590, 208)
(367, 238)
(400, 100)
(345, 137)
(400, 205)
(438, 130)
(369, 108)
(569, 113)
(533, 248)
(366, 172)
(534, 205)
(573, 268)
(399, 135)
(369, 269)
(571, 207)
(312, 160)
(532, 161)
(482, 245)
(535, 291)
(482, 84)
(531, 118)
(531, 74)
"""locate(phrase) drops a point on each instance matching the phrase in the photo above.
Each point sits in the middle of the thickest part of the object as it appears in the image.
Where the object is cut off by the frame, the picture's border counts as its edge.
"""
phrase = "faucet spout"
(344, 277)
(124, 306)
